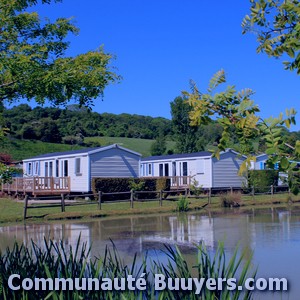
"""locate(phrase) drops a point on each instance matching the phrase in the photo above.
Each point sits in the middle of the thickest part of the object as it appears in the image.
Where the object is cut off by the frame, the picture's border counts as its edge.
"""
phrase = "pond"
(273, 235)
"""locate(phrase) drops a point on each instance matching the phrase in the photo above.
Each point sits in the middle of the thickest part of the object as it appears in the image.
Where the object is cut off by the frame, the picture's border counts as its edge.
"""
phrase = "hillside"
(142, 146)
(71, 125)
(21, 149)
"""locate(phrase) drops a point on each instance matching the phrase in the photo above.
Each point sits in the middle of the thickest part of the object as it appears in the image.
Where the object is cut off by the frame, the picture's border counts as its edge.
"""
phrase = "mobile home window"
(57, 168)
(37, 168)
(166, 169)
(46, 169)
(29, 168)
(184, 169)
(184, 172)
(66, 172)
(161, 170)
(50, 168)
(149, 169)
(77, 166)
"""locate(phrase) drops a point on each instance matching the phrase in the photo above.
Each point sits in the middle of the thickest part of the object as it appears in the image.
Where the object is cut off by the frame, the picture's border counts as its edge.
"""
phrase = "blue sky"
(161, 44)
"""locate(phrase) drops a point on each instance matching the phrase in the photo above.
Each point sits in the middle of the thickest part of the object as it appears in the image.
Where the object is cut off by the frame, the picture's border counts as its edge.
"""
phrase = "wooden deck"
(38, 186)
(179, 182)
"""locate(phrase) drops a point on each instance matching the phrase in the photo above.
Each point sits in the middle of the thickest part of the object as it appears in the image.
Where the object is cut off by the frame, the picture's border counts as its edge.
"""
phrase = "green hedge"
(116, 185)
(261, 180)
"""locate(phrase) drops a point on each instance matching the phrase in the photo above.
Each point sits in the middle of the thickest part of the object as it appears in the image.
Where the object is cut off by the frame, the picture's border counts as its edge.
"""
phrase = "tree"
(5, 159)
(186, 135)
(277, 25)
(49, 132)
(239, 115)
(159, 146)
(33, 63)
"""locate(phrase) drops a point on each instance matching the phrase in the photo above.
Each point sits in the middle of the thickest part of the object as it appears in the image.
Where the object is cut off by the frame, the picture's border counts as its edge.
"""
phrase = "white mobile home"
(207, 170)
(80, 166)
(260, 162)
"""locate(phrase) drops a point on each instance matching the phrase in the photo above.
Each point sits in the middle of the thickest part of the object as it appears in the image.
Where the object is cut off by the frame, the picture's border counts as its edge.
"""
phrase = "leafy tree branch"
(277, 26)
(239, 116)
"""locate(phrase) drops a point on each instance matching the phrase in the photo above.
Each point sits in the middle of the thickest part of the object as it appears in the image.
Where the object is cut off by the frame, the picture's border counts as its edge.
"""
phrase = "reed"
(54, 260)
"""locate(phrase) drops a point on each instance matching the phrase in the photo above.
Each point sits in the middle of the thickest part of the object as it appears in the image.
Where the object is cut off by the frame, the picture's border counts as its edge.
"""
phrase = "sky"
(160, 45)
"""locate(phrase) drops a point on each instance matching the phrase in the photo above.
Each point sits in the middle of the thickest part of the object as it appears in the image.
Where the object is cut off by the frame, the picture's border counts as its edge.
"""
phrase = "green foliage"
(195, 189)
(238, 116)
(294, 180)
(208, 266)
(136, 186)
(33, 62)
(191, 138)
(233, 110)
(54, 260)
(182, 204)
(185, 134)
(74, 140)
(159, 146)
(25, 122)
(276, 24)
(261, 180)
(6, 173)
(116, 185)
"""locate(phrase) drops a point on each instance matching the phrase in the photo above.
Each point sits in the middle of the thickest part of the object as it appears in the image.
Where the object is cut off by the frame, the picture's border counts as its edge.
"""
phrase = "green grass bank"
(11, 211)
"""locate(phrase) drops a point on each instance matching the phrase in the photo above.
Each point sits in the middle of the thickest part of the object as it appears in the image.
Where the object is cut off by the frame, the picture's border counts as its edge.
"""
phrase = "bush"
(182, 204)
(231, 200)
(117, 185)
(195, 189)
(261, 180)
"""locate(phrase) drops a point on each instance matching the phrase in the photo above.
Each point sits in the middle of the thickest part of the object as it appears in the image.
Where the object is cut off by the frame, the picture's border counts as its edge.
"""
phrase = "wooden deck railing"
(38, 185)
(180, 181)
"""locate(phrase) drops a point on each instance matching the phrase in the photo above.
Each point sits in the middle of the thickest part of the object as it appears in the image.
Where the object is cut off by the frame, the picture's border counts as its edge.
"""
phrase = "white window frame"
(78, 166)
(36, 170)
(29, 168)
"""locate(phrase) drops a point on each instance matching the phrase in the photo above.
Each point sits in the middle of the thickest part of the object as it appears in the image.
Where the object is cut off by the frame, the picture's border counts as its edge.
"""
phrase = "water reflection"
(138, 234)
(273, 234)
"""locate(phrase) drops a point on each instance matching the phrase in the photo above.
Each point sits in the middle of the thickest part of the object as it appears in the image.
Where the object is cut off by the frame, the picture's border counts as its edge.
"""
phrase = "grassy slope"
(142, 146)
(21, 149)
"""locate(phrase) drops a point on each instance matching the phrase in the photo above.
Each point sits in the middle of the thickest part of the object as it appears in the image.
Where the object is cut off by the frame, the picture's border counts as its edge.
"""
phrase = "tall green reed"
(54, 260)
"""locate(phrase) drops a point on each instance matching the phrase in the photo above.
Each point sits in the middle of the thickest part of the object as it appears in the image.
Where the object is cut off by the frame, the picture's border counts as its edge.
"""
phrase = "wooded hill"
(72, 124)
(33, 131)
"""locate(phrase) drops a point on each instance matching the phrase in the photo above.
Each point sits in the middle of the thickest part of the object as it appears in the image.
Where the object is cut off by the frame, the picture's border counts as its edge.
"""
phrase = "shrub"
(182, 204)
(116, 185)
(231, 199)
(136, 186)
(195, 188)
(261, 180)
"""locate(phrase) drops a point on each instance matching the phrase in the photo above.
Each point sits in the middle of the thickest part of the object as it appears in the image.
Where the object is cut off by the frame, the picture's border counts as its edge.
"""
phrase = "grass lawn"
(11, 211)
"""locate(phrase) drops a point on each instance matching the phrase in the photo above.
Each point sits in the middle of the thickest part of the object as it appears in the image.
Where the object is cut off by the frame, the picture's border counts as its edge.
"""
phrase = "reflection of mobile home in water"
(68, 233)
(189, 231)
(140, 234)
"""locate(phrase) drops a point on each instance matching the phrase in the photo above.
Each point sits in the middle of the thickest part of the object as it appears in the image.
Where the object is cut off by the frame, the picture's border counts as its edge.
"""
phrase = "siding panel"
(225, 171)
(114, 163)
